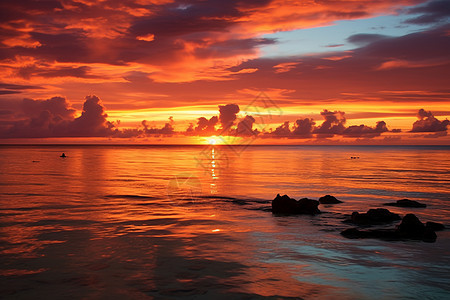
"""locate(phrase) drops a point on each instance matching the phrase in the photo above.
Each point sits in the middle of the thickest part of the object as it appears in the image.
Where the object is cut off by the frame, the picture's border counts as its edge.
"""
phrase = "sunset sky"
(273, 71)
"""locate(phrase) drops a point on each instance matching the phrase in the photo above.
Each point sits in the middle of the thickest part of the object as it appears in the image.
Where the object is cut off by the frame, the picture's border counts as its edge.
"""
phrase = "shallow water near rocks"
(194, 222)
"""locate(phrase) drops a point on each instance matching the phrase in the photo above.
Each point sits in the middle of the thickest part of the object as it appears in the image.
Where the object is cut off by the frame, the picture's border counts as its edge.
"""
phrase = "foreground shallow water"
(193, 222)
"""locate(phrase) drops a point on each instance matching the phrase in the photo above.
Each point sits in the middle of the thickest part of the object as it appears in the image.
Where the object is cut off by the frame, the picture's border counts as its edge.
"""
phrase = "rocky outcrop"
(435, 226)
(328, 199)
(410, 228)
(406, 203)
(286, 205)
(373, 217)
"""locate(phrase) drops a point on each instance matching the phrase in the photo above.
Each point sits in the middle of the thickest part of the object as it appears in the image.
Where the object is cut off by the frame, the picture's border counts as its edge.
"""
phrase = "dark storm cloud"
(428, 123)
(431, 12)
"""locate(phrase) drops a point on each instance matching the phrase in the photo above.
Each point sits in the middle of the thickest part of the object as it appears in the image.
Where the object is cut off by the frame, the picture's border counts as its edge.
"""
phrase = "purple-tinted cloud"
(431, 12)
(281, 131)
(93, 120)
(245, 127)
(227, 114)
(204, 126)
(166, 130)
(303, 128)
(49, 72)
(365, 38)
(365, 131)
(56, 118)
(334, 123)
(428, 123)
(36, 118)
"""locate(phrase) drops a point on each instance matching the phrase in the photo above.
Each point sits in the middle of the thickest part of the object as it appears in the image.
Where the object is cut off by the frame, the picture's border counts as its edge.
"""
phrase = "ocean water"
(169, 222)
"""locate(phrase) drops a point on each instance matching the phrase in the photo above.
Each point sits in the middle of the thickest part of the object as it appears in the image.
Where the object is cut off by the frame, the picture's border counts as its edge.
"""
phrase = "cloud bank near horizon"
(55, 117)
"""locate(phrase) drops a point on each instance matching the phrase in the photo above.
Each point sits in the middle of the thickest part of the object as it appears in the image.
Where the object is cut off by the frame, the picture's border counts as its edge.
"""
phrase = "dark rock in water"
(328, 199)
(410, 228)
(406, 203)
(435, 226)
(308, 206)
(373, 216)
(286, 205)
(410, 225)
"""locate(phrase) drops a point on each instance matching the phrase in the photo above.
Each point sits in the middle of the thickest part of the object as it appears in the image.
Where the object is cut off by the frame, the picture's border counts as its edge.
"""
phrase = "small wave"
(131, 197)
(23, 194)
(52, 222)
(41, 207)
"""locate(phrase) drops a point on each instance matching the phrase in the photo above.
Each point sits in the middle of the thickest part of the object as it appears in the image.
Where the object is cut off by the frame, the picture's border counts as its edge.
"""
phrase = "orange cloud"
(398, 63)
(285, 67)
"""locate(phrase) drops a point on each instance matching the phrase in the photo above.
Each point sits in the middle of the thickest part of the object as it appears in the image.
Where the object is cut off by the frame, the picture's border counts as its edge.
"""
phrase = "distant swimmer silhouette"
(63, 155)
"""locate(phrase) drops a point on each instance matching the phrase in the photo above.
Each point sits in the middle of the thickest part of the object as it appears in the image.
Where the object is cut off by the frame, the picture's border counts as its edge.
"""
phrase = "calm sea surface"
(168, 222)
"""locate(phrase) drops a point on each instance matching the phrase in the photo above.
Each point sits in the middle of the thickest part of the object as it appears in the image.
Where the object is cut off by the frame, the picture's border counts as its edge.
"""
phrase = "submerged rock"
(410, 228)
(328, 199)
(373, 216)
(286, 205)
(406, 203)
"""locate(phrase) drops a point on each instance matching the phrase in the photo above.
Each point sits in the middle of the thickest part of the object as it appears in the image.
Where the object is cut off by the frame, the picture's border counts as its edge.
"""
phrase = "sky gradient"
(161, 71)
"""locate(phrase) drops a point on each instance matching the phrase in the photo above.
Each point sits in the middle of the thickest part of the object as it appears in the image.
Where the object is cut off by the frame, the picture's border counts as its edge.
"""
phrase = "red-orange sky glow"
(273, 71)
